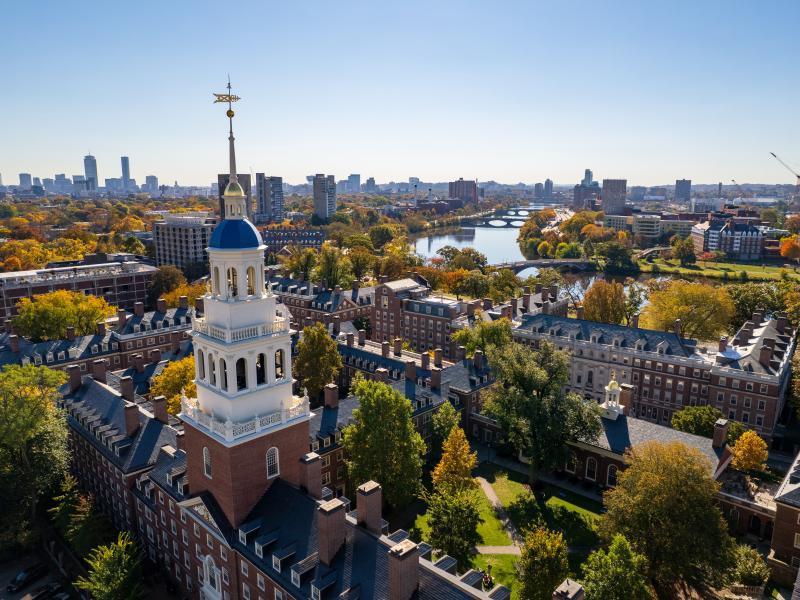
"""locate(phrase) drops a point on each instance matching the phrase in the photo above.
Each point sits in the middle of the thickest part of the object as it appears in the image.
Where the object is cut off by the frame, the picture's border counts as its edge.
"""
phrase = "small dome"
(234, 234)
(233, 189)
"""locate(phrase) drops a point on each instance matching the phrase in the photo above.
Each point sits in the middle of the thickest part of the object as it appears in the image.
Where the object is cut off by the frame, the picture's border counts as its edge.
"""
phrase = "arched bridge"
(576, 264)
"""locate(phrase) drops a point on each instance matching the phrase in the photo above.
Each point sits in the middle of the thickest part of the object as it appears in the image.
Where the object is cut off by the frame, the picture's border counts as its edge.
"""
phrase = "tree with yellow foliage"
(176, 377)
(47, 316)
(190, 290)
(454, 472)
(705, 310)
(749, 452)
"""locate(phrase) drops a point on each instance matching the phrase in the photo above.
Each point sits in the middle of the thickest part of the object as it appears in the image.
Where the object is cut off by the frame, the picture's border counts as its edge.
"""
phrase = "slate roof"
(789, 489)
(321, 299)
(583, 329)
(464, 377)
(234, 234)
(743, 354)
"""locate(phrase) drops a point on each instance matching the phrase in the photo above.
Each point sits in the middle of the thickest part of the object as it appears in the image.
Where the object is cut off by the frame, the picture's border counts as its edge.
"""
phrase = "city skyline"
(681, 92)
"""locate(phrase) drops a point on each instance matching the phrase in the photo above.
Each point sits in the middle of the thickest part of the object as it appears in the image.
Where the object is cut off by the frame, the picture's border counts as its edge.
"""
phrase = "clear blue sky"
(511, 91)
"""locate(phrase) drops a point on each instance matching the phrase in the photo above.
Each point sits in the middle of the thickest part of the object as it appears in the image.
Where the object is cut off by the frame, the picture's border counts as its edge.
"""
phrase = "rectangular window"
(245, 569)
(260, 581)
(278, 594)
(245, 591)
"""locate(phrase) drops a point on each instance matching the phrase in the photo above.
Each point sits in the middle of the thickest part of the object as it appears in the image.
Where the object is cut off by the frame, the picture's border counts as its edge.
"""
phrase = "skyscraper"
(25, 181)
(466, 191)
(354, 183)
(548, 189)
(151, 183)
(269, 199)
(324, 196)
(538, 191)
(613, 194)
(587, 178)
(370, 186)
(126, 173)
(90, 171)
(683, 190)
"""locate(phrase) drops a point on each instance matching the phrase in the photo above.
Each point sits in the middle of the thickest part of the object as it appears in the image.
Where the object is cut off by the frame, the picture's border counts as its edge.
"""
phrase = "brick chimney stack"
(160, 409)
(487, 304)
(331, 529)
(526, 298)
(461, 353)
(350, 337)
(311, 473)
(765, 356)
(626, 397)
(183, 302)
(425, 361)
(126, 387)
(381, 374)
(131, 419)
(74, 372)
(723, 343)
(198, 305)
(537, 288)
(780, 323)
(331, 395)
(101, 328)
(155, 355)
(403, 570)
(514, 306)
(398, 346)
(9, 325)
(720, 433)
(436, 378)
(385, 349)
(138, 363)
(161, 305)
(71, 333)
(369, 499)
(99, 370)
(411, 370)
(676, 327)
(13, 342)
(635, 321)
(477, 359)
(122, 319)
(362, 337)
(579, 311)
(337, 325)
(138, 309)
(437, 357)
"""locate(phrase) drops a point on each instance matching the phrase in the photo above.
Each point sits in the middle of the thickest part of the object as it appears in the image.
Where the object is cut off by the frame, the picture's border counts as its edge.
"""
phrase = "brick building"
(737, 239)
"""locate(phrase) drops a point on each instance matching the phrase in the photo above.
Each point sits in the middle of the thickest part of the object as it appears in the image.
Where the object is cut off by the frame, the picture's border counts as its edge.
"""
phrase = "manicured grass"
(503, 569)
(719, 270)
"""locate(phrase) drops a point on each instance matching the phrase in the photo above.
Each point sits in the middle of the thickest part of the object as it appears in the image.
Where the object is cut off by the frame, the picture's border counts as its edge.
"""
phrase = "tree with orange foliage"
(790, 248)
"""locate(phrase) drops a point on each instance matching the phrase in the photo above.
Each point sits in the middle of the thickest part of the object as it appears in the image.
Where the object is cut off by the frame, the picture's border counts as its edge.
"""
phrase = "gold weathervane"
(229, 98)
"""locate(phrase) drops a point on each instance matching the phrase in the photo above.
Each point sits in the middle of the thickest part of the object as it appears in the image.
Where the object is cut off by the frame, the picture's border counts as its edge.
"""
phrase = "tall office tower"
(151, 183)
(90, 171)
(587, 178)
(683, 190)
(369, 186)
(37, 181)
(538, 191)
(244, 181)
(548, 189)
(25, 181)
(613, 194)
(466, 191)
(269, 199)
(354, 183)
(324, 196)
(638, 193)
(126, 173)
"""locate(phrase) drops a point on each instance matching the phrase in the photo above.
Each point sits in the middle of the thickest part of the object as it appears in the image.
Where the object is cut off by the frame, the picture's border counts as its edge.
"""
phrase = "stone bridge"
(574, 264)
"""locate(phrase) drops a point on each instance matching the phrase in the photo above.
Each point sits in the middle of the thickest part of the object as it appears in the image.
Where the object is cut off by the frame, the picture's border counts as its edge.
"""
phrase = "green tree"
(616, 574)
(176, 378)
(382, 443)
(48, 316)
(166, 279)
(483, 335)
(33, 445)
(300, 262)
(114, 571)
(700, 420)
(569, 250)
(504, 285)
(380, 235)
(683, 250)
(544, 249)
(634, 300)
(543, 564)
(750, 297)
(64, 504)
(474, 284)
(454, 471)
(705, 311)
(361, 261)
(318, 361)
(529, 403)
(443, 422)
(454, 518)
(333, 267)
(749, 567)
(604, 301)
(617, 257)
(683, 535)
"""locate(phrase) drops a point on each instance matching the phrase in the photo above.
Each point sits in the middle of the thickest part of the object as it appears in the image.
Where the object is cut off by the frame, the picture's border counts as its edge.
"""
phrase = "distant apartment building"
(121, 284)
(354, 183)
(269, 199)
(638, 193)
(181, 239)
(737, 240)
(683, 190)
(651, 226)
(613, 194)
(277, 238)
(324, 196)
(90, 171)
(548, 189)
(244, 181)
(25, 181)
(466, 191)
(370, 187)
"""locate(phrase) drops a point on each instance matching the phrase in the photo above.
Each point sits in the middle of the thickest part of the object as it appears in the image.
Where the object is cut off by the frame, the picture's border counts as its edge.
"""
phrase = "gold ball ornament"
(229, 113)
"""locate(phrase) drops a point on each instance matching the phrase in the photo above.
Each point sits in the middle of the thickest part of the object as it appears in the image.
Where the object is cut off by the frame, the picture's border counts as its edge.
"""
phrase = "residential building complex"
(736, 239)
(181, 239)
(466, 191)
(278, 238)
(683, 190)
(614, 193)
(269, 199)
(324, 196)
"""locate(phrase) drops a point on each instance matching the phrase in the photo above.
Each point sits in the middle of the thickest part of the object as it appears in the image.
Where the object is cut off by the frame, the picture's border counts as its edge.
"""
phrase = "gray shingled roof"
(789, 490)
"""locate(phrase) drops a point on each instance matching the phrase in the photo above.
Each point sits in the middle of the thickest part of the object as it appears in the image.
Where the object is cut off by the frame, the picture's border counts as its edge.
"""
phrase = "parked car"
(43, 592)
(26, 577)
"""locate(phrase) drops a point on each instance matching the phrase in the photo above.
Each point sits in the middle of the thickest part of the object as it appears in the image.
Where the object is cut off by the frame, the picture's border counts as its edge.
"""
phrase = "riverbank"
(719, 270)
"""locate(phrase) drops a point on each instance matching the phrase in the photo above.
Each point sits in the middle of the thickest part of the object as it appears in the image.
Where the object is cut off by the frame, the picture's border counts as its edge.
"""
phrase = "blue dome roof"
(233, 234)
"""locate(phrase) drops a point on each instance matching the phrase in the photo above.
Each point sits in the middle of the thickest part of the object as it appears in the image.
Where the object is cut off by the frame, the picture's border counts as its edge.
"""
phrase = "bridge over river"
(573, 264)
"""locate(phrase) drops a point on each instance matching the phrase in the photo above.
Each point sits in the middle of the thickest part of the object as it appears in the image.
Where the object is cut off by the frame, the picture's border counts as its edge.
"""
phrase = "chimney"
(161, 305)
(769, 342)
(122, 318)
(765, 356)
(383, 279)
(436, 378)
(385, 349)
(138, 363)
(71, 333)
(331, 395)
(579, 311)
(403, 570)
(331, 529)
(126, 387)
(99, 370)
(437, 357)
(635, 321)
(461, 353)
(337, 325)
(355, 286)
(13, 342)
(131, 419)
(398, 346)
(9, 325)
(425, 361)
(487, 304)
(362, 337)
(198, 305)
(723, 343)
(160, 409)
(720, 433)
(180, 443)
(514, 306)
(74, 372)
(545, 307)
(758, 317)
(350, 337)
(506, 312)
(411, 370)
(470, 309)
(183, 302)
(101, 328)
(676, 327)
(138, 309)
(554, 292)
(780, 324)
(537, 288)
(337, 289)
(155, 355)
(569, 590)
(312, 474)
(477, 359)
(625, 397)
(526, 289)
(381, 374)
(368, 507)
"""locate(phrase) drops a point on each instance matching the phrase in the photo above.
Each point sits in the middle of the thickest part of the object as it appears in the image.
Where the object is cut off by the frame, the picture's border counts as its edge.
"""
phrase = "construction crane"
(788, 168)
(738, 187)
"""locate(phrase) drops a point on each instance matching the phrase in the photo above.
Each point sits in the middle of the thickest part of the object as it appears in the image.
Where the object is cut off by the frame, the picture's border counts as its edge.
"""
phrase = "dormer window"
(326, 441)
(295, 578)
(276, 563)
(315, 595)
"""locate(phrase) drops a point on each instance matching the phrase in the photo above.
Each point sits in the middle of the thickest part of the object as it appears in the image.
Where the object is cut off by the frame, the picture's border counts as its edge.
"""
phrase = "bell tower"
(245, 428)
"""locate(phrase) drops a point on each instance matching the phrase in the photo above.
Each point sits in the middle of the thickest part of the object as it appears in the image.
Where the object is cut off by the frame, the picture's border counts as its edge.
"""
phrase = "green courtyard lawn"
(718, 270)
(504, 569)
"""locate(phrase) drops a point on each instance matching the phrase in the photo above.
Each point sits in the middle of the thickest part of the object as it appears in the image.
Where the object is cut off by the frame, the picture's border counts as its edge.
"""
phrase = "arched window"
(591, 468)
(211, 573)
(201, 364)
(251, 281)
(206, 462)
(223, 374)
(241, 374)
(279, 370)
(216, 280)
(261, 369)
(611, 477)
(273, 466)
(572, 463)
(232, 283)
(212, 370)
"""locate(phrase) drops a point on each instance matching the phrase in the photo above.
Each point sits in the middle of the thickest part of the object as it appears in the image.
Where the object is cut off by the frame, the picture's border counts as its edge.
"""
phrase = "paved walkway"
(515, 550)
(508, 525)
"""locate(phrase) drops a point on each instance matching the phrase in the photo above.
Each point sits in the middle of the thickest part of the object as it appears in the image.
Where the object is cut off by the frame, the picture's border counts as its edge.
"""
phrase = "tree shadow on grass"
(528, 511)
